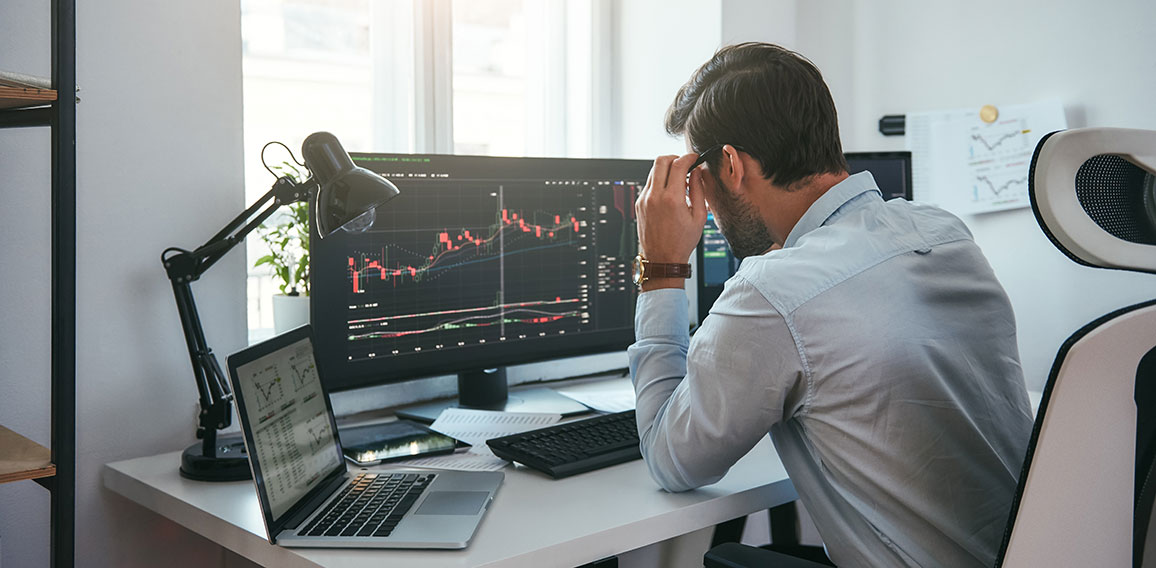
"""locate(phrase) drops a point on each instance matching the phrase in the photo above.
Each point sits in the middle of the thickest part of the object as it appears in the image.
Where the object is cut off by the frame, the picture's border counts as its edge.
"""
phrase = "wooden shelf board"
(21, 458)
(14, 97)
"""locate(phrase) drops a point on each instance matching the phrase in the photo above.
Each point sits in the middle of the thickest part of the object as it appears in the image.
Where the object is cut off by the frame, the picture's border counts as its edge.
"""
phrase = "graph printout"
(967, 165)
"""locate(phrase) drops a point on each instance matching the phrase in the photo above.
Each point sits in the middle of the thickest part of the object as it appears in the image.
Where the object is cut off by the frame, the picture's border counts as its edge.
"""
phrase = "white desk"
(534, 521)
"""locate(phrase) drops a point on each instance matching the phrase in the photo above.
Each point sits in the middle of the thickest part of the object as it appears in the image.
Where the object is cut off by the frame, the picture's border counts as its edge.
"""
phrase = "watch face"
(637, 272)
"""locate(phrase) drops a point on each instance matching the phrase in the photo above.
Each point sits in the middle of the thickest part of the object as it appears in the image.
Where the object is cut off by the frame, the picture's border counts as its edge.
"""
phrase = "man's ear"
(733, 168)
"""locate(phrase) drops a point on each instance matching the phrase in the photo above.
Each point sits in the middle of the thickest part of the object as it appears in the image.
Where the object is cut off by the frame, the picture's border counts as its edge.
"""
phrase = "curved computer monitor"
(716, 264)
(480, 263)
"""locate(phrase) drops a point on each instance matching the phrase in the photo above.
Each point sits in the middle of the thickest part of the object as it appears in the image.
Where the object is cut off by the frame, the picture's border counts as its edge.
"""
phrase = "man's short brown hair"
(769, 100)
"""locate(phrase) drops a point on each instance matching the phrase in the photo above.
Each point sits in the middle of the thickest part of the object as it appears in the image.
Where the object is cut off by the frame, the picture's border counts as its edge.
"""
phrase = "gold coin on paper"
(988, 113)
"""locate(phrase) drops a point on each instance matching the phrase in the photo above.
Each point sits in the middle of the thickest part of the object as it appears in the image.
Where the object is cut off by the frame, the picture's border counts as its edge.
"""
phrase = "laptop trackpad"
(453, 503)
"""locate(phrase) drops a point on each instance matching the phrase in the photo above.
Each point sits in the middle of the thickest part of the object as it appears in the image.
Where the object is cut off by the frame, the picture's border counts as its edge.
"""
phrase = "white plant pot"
(289, 312)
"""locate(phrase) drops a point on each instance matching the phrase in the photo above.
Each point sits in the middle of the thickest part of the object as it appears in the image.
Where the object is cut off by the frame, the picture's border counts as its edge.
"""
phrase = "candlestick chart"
(396, 264)
(457, 265)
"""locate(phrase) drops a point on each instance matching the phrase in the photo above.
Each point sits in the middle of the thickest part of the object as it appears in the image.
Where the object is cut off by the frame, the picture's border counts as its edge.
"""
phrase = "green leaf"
(286, 236)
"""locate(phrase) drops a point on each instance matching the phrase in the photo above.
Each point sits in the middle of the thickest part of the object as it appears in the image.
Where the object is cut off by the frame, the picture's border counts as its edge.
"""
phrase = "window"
(494, 77)
(522, 77)
(490, 83)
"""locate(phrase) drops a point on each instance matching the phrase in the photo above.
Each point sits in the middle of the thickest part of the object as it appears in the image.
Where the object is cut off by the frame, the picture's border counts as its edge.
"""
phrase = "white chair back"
(1094, 194)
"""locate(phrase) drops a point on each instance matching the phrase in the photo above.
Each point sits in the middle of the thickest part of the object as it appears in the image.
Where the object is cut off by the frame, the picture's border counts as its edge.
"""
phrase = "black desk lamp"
(342, 193)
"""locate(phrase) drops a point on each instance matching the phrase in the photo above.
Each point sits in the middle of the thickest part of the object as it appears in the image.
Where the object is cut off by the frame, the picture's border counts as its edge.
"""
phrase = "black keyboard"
(370, 505)
(573, 447)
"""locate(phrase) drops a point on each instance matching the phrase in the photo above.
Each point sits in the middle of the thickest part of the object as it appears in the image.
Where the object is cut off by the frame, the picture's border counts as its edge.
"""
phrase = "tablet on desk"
(391, 441)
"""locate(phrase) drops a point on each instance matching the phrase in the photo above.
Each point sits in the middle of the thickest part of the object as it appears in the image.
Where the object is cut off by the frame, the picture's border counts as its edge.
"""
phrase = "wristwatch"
(645, 270)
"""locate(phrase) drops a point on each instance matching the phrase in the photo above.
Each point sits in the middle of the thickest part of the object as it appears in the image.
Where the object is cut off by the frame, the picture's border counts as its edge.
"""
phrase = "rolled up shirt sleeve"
(698, 415)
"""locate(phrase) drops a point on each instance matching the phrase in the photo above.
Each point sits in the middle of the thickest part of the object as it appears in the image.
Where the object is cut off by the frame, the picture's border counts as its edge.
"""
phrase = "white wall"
(658, 46)
(898, 56)
(758, 20)
(159, 164)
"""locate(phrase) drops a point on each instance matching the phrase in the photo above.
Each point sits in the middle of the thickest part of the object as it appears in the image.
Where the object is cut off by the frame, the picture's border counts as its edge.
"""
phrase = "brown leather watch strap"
(667, 270)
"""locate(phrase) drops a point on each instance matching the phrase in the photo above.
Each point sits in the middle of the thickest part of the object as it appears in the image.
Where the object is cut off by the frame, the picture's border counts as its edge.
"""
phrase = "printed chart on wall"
(968, 161)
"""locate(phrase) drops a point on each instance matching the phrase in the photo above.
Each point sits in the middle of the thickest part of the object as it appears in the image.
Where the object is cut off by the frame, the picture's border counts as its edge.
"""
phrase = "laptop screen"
(293, 443)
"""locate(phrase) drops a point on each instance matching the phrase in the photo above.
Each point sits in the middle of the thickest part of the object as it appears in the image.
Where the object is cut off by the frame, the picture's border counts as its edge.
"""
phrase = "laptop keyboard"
(371, 505)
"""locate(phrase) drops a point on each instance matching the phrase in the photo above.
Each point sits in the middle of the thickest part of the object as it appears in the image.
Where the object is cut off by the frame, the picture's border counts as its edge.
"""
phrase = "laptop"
(308, 497)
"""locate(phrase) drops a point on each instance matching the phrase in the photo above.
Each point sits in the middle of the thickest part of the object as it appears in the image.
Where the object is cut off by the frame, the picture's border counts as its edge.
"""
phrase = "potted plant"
(286, 235)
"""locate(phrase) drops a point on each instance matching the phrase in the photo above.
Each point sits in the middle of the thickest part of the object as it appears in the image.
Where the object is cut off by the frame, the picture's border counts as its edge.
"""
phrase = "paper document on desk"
(465, 461)
(615, 395)
(475, 427)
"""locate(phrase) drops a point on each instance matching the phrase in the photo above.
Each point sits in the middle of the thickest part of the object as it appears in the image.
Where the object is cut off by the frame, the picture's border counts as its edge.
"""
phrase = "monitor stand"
(487, 390)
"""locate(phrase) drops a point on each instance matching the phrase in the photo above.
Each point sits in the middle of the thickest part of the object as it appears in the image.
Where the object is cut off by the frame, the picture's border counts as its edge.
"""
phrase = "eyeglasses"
(705, 155)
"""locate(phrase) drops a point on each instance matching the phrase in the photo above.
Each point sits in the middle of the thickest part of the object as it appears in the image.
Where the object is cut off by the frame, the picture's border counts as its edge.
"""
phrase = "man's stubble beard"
(740, 224)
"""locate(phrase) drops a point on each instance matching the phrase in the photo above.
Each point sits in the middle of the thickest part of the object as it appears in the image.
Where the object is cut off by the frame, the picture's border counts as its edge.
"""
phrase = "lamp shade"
(344, 191)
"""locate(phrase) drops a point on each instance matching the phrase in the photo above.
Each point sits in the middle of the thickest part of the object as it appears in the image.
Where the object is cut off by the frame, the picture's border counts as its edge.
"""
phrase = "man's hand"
(670, 218)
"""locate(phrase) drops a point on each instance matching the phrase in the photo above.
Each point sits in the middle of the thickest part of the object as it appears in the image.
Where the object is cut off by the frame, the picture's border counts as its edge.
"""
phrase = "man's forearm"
(661, 329)
(657, 365)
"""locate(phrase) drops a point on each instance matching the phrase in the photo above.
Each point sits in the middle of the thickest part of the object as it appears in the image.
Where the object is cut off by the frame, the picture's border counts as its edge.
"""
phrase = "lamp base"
(231, 463)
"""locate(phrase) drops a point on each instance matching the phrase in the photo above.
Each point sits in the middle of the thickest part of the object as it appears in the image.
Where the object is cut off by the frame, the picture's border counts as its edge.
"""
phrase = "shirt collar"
(830, 202)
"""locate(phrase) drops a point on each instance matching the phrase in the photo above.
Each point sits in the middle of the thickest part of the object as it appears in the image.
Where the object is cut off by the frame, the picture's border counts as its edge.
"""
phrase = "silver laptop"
(308, 497)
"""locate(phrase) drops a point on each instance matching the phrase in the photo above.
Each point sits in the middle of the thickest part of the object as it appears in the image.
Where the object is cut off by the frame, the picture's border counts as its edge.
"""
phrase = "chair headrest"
(1093, 191)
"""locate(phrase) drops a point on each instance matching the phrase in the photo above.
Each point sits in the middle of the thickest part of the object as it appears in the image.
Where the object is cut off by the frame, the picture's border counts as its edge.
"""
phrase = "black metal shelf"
(25, 117)
(60, 116)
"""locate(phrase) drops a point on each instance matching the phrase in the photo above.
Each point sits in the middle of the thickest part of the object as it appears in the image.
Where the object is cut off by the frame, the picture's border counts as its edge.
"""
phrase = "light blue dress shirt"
(879, 351)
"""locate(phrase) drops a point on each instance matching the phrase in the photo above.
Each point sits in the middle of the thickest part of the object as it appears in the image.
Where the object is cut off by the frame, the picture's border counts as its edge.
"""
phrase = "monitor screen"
(480, 262)
(892, 172)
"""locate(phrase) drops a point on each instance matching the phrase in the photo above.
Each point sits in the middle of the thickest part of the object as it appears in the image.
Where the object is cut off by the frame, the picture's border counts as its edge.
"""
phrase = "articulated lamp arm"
(184, 267)
(342, 193)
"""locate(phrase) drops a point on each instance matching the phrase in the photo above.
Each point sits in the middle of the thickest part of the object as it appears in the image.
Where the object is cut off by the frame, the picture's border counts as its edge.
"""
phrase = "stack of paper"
(605, 396)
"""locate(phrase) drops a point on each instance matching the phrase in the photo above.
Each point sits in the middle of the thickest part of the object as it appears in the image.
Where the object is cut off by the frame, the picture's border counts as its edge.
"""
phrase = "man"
(870, 339)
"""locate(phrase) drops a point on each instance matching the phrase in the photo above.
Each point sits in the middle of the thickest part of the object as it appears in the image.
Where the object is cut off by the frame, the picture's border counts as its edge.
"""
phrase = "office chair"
(1085, 492)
